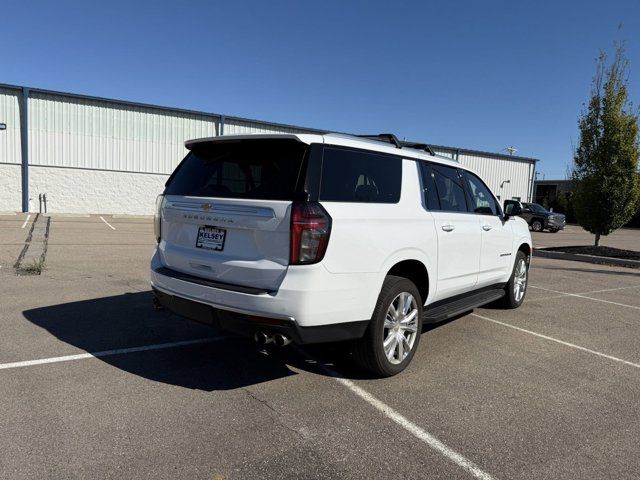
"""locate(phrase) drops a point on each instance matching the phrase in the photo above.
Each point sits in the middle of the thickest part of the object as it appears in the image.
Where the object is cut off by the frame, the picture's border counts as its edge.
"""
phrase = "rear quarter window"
(360, 177)
(252, 169)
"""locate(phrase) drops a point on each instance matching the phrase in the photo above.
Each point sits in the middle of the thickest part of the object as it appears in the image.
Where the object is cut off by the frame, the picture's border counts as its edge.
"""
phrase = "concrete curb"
(586, 258)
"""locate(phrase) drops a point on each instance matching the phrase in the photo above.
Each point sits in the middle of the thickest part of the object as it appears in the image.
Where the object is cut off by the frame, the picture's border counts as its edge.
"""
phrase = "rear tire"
(393, 335)
(516, 287)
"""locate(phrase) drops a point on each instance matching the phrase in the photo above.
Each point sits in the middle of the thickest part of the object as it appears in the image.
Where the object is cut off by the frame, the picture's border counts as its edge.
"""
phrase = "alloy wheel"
(520, 280)
(400, 327)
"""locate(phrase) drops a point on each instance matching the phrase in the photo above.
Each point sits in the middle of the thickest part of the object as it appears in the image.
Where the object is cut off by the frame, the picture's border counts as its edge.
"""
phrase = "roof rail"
(391, 138)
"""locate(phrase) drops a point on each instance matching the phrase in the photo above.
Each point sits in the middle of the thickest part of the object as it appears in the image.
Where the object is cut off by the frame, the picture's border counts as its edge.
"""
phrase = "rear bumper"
(248, 325)
(311, 305)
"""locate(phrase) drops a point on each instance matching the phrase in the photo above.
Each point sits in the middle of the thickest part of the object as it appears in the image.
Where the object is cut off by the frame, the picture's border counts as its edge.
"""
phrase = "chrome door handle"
(486, 228)
(448, 227)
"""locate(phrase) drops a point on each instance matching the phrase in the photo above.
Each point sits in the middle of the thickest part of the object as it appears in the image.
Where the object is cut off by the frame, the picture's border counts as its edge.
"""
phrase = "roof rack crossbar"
(419, 146)
(384, 137)
(391, 138)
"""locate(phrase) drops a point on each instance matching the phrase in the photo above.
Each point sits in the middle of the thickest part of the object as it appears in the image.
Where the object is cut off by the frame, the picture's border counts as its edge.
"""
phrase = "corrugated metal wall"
(506, 178)
(69, 132)
(95, 134)
(10, 115)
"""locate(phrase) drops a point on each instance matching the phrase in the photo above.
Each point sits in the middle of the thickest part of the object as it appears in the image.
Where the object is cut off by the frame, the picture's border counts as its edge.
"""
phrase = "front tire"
(393, 335)
(516, 287)
(536, 226)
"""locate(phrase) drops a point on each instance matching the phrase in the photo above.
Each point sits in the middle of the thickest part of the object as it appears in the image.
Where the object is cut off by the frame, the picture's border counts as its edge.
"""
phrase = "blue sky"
(471, 74)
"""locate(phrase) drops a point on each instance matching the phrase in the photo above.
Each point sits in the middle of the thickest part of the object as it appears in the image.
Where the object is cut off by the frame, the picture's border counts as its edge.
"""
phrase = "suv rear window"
(252, 169)
(354, 176)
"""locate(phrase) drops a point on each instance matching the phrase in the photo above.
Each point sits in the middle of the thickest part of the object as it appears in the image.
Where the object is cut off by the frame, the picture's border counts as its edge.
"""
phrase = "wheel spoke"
(405, 342)
(392, 311)
(389, 340)
(388, 323)
(412, 327)
(401, 300)
(401, 349)
(410, 317)
(390, 348)
(408, 300)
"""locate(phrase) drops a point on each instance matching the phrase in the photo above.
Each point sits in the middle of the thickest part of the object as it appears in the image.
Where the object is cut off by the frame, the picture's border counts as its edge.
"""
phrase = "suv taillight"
(157, 219)
(310, 230)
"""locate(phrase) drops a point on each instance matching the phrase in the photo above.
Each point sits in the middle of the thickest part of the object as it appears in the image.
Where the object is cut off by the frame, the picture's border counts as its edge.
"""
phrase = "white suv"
(321, 238)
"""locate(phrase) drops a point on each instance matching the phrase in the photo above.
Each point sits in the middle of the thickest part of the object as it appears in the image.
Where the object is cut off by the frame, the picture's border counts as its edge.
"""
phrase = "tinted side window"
(353, 176)
(429, 186)
(450, 189)
(482, 200)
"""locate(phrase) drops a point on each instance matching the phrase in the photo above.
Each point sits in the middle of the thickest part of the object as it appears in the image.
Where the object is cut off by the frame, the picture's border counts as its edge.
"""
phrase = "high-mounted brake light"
(310, 230)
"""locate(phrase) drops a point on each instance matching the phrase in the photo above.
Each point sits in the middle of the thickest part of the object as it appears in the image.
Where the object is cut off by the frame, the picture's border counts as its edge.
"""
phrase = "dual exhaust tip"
(279, 339)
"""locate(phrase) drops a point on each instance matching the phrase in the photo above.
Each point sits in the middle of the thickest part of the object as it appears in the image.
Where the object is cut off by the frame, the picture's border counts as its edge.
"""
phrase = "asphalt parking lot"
(96, 384)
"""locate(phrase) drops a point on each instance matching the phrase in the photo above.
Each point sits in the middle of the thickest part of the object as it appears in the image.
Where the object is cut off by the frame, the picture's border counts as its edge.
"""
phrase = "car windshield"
(537, 208)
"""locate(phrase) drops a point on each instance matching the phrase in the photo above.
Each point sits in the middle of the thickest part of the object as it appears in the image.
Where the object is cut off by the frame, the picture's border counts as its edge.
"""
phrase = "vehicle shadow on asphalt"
(129, 320)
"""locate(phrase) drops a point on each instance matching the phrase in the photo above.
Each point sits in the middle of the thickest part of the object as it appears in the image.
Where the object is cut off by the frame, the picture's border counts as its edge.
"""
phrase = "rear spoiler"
(391, 138)
(189, 144)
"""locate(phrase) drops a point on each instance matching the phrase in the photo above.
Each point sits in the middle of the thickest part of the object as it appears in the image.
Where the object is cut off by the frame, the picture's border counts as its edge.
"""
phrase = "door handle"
(448, 227)
(486, 227)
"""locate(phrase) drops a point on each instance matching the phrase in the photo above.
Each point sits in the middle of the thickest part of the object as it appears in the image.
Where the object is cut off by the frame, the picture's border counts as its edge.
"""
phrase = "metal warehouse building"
(98, 155)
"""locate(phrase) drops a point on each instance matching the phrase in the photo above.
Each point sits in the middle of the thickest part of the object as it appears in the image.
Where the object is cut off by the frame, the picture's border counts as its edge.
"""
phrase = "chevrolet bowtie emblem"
(206, 207)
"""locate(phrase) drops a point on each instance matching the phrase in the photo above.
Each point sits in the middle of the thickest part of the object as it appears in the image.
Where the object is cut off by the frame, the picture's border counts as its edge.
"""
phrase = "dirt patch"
(32, 258)
(601, 251)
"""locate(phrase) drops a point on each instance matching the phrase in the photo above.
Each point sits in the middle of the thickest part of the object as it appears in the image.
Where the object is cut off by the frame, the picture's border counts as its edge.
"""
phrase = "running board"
(457, 306)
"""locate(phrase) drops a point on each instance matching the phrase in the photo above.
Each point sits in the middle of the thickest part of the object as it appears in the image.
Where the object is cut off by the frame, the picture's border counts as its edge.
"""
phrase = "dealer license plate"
(211, 238)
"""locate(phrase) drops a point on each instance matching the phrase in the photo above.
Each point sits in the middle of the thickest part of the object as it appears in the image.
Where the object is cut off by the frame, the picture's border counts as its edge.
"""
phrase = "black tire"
(554, 230)
(510, 300)
(368, 352)
(537, 225)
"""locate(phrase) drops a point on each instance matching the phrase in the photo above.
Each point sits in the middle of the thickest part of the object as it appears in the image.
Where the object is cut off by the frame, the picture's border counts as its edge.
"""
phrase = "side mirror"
(512, 208)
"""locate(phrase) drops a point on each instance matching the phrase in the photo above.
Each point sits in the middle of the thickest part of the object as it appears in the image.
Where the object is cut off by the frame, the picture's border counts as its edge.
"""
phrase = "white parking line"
(561, 342)
(26, 220)
(405, 423)
(550, 297)
(108, 224)
(609, 290)
(579, 295)
(108, 353)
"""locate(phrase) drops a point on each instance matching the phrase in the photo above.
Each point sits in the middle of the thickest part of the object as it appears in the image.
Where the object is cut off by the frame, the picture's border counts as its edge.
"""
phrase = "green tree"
(607, 190)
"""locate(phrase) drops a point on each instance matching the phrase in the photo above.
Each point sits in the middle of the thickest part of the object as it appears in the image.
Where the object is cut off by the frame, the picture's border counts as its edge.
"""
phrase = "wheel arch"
(413, 270)
(525, 248)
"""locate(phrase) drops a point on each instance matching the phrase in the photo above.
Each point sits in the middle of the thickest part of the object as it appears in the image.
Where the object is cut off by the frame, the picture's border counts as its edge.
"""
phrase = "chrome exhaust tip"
(262, 338)
(281, 340)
